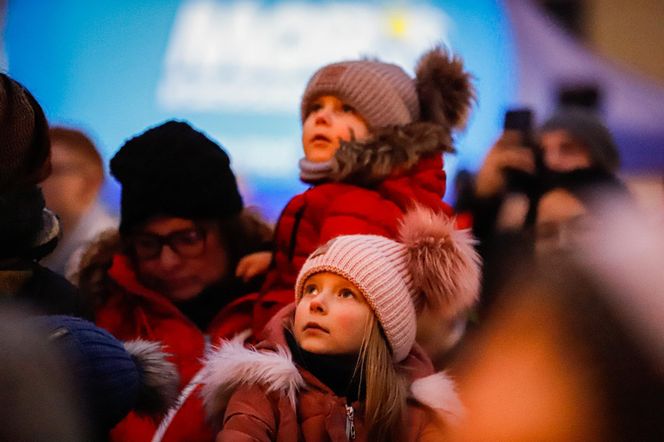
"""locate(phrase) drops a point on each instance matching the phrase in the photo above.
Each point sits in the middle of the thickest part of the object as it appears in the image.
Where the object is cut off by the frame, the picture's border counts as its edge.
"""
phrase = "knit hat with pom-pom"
(432, 265)
(385, 95)
(407, 117)
(113, 377)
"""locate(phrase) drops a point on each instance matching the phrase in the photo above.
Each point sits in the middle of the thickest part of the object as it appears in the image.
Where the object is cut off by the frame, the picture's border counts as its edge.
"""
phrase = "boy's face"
(328, 121)
(331, 316)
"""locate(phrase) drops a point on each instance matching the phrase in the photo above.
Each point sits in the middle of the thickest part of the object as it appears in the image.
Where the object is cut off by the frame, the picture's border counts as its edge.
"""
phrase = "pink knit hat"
(433, 264)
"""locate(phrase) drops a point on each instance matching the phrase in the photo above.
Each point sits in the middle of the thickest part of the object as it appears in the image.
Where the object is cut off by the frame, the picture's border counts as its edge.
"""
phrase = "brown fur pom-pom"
(444, 89)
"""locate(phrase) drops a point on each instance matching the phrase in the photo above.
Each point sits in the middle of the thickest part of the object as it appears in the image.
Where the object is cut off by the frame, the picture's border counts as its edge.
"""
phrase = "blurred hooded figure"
(28, 230)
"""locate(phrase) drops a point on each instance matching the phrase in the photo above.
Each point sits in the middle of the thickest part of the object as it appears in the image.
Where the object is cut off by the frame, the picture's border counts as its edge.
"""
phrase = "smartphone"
(519, 119)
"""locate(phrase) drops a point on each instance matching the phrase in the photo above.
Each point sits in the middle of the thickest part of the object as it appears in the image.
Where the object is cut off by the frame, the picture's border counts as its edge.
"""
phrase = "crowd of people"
(373, 310)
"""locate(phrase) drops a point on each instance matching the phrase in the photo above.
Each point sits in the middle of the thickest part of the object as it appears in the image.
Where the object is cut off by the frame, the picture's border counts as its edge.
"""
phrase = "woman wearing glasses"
(169, 275)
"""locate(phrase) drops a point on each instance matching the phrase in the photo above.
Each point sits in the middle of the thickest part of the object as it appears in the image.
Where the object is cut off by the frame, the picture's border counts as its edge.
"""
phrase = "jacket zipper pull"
(350, 422)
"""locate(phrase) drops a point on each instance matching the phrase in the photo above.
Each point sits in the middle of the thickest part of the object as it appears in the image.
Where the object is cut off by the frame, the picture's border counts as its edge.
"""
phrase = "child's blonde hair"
(385, 389)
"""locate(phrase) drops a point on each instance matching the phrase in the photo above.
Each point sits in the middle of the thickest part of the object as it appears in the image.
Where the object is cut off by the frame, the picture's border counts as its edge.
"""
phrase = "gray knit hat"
(385, 95)
(589, 130)
(381, 92)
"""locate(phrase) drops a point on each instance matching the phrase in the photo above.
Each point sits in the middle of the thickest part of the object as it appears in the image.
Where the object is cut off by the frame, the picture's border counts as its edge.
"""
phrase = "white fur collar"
(232, 365)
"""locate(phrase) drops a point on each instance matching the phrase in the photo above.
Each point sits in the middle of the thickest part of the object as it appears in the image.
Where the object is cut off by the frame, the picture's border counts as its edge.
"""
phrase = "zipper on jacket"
(350, 422)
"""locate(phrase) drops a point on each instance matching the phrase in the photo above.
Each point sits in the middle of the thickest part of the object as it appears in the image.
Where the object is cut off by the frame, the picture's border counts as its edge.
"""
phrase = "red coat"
(133, 311)
(331, 209)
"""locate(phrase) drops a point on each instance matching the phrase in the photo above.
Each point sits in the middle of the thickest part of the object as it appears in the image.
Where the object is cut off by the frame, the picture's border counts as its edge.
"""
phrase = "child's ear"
(444, 89)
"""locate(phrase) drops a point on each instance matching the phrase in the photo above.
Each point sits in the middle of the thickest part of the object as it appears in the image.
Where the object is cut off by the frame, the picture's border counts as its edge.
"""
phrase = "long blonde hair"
(386, 391)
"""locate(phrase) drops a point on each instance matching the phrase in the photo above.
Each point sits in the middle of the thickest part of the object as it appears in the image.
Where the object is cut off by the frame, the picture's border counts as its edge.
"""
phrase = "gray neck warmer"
(314, 173)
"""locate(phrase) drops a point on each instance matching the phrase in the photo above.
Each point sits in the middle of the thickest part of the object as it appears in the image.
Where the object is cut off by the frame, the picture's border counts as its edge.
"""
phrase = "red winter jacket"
(336, 208)
(133, 311)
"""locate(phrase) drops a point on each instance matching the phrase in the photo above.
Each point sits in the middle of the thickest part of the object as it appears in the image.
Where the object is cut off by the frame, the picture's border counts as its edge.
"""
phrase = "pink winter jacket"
(262, 395)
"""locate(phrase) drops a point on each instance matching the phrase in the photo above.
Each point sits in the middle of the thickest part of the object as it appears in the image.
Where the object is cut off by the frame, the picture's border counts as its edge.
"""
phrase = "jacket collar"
(391, 150)
(123, 273)
(271, 365)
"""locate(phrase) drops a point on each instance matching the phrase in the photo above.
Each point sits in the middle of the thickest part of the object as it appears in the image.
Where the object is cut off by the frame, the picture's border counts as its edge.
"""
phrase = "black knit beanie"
(589, 130)
(174, 170)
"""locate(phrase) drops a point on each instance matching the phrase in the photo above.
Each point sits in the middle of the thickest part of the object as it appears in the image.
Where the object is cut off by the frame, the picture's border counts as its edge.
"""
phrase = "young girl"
(342, 363)
(373, 139)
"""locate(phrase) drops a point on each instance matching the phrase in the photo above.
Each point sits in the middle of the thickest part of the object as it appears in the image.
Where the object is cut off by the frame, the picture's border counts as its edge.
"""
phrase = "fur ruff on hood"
(233, 365)
(390, 149)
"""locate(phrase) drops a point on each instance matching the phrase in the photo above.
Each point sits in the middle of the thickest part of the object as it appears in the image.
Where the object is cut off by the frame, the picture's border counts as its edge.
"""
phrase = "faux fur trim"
(443, 88)
(159, 377)
(389, 149)
(443, 261)
(233, 365)
(438, 392)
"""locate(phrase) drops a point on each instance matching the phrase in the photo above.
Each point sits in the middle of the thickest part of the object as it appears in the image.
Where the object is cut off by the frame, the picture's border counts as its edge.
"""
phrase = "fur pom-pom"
(442, 260)
(444, 89)
(159, 377)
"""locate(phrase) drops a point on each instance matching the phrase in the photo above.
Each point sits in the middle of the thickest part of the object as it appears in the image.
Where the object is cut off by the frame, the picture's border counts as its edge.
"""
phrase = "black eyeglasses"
(187, 243)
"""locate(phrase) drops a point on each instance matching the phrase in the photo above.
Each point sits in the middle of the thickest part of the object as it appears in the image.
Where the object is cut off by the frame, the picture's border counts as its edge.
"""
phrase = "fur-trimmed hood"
(390, 149)
(445, 95)
(233, 365)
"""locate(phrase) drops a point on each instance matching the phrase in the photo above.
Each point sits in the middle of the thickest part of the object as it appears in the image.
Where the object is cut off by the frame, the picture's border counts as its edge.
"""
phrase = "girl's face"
(178, 257)
(330, 120)
(331, 316)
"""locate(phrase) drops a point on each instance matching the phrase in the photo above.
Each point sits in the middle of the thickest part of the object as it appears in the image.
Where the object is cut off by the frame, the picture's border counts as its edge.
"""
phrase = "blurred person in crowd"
(110, 378)
(64, 379)
(71, 191)
(573, 138)
(514, 174)
(28, 230)
(574, 349)
(566, 213)
(168, 274)
(38, 401)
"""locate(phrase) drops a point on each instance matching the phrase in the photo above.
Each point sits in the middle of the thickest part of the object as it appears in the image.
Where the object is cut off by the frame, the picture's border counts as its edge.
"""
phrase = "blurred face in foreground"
(529, 380)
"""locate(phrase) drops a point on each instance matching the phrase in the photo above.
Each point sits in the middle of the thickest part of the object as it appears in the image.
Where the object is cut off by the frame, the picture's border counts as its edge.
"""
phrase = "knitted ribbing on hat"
(382, 93)
(377, 266)
(24, 145)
